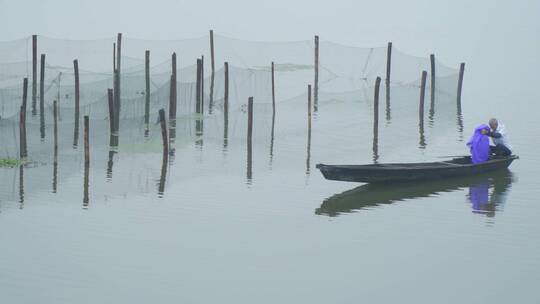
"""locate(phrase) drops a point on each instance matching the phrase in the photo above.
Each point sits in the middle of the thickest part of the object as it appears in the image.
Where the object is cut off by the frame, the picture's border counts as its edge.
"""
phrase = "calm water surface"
(203, 231)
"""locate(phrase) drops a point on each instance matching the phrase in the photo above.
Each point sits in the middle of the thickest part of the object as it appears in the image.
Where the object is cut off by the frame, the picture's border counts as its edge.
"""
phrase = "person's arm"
(494, 134)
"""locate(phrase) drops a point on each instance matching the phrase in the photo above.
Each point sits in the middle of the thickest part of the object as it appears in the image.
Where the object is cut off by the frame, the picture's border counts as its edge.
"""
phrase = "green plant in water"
(9, 162)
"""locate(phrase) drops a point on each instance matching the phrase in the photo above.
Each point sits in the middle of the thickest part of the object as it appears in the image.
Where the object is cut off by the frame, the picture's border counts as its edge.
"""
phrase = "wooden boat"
(397, 172)
(375, 194)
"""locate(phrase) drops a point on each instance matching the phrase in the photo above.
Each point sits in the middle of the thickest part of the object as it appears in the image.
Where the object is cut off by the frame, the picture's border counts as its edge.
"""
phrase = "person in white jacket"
(501, 145)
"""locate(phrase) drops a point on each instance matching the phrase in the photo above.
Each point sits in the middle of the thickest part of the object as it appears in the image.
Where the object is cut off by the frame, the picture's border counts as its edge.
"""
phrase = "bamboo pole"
(316, 82)
(86, 140)
(308, 155)
(86, 159)
(110, 95)
(198, 87)
(212, 51)
(432, 104)
(147, 88)
(202, 85)
(460, 82)
(212, 61)
(388, 62)
(460, 86)
(163, 123)
(250, 141)
(55, 130)
(77, 103)
(226, 106)
(42, 97)
(422, 97)
(273, 114)
(34, 74)
(376, 120)
(172, 93)
(23, 152)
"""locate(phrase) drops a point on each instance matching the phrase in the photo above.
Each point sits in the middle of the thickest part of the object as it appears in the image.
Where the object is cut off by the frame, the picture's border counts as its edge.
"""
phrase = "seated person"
(500, 139)
(479, 144)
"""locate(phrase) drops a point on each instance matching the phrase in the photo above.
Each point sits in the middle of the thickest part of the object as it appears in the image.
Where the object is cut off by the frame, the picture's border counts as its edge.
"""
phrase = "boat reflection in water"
(372, 195)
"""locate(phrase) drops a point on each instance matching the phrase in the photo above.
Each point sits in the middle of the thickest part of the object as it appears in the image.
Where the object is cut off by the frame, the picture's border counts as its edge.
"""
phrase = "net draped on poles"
(346, 74)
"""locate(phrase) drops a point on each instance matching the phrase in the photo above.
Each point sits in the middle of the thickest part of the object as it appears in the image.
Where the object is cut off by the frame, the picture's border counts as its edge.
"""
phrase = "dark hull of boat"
(383, 173)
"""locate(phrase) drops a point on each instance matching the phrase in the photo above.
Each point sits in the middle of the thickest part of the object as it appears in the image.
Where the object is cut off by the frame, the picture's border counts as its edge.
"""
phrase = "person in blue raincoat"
(479, 144)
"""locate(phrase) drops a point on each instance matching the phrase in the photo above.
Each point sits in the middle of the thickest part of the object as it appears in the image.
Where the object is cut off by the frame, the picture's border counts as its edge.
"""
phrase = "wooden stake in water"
(198, 88)
(110, 95)
(86, 140)
(432, 103)
(34, 74)
(387, 80)
(226, 106)
(164, 137)
(422, 97)
(376, 120)
(460, 82)
(249, 173)
(273, 114)
(316, 83)
(77, 103)
(212, 61)
(23, 153)
(202, 84)
(388, 61)
(42, 97)
(172, 93)
(147, 88)
(55, 130)
(308, 156)
(460, 86)
(86, 160)
(421, 109)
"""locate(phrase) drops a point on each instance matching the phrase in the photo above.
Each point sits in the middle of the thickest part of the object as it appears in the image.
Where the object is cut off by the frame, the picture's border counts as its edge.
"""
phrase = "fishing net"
(346, 78)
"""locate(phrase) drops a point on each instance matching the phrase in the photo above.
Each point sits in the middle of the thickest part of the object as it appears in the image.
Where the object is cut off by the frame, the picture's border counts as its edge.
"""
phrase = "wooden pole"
(273, 114)
(34, 74)
(212, 51)
(23, 153)
(422, 97)
(117, 89)
(308, 157)
(432, 103)
(77, 103)
(147, 88)
(421, 110)
(163, 123)
(226, 106)
(202, 84)
(172, 93)
(55, 130)
(460, 86)
(42, 97)
(460, 82)
(86, 159)
(212, 62)
(376, 120)
(250, 140)
(273, 93)
(316, 82)
(388, 62)
(110, 96)
(198, 87)
(86, 140)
